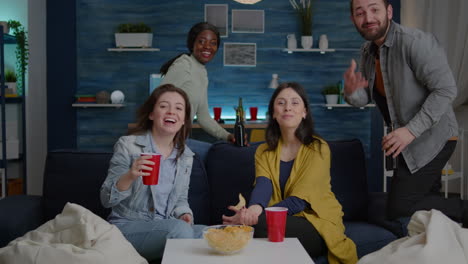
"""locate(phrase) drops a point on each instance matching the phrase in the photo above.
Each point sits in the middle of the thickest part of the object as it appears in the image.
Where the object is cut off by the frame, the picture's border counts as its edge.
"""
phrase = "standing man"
(405, 71)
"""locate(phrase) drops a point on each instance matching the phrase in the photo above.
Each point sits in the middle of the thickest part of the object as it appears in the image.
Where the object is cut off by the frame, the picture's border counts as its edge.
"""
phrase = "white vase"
(331, 98)
(323, 42)
(292, 42)
(306, 42)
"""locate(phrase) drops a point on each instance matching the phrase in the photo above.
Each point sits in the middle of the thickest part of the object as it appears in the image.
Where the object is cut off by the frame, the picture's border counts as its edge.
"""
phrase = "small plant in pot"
(137, 35)
(304, 11)
(10, 82)
(331, 93)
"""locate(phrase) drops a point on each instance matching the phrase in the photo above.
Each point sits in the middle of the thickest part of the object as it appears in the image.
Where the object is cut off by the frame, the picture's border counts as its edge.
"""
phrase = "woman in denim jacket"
(147, 215)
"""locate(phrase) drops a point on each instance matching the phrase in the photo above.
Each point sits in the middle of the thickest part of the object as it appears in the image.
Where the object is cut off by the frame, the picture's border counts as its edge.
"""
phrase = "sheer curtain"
(448, 21)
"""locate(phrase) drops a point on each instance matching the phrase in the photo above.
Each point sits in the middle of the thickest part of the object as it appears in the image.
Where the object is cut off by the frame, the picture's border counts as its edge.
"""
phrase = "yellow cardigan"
(310, 181)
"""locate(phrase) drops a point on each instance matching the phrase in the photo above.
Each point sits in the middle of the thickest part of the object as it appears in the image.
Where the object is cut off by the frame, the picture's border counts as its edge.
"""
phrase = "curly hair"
(191, 37)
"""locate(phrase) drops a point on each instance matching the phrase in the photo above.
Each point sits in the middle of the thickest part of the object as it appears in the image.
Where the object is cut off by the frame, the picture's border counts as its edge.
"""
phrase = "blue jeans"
(149, 237)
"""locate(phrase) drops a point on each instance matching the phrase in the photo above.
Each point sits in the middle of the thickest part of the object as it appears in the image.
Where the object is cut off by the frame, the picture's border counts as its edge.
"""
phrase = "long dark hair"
(192, 35)
(144, 124)
(305, 132)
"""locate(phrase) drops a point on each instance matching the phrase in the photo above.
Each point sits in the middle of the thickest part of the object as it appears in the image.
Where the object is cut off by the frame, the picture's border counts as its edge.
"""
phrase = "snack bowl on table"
(228, 239)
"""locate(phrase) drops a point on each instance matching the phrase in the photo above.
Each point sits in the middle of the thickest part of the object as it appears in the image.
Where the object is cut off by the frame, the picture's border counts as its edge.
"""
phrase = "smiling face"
(205, 46)
(168, 114)
(371, 19)
(289, 109)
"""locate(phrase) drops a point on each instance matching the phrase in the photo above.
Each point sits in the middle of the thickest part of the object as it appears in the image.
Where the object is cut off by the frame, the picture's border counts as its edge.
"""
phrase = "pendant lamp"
(248, 2)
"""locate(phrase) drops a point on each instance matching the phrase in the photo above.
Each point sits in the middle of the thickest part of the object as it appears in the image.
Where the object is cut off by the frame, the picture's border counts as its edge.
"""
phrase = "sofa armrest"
(20, 214)
(377, 215)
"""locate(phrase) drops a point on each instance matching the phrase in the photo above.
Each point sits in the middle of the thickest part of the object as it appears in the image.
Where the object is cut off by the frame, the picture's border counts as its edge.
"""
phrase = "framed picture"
(218, 16)
(248, 21)
(240, 54)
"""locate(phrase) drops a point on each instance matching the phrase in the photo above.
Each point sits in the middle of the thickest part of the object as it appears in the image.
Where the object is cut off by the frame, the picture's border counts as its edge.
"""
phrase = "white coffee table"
(259, 250)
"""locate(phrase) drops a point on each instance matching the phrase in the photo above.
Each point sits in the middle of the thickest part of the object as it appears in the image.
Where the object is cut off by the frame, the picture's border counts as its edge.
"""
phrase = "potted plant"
(304, 11)
(22, 52)
(10, 82)
(331, 93)
(134, 35)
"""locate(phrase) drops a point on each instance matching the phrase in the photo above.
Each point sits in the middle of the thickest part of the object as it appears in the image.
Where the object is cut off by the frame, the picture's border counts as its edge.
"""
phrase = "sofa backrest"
(74, 176)
(231, 170)
(199, 192)
(349, 178)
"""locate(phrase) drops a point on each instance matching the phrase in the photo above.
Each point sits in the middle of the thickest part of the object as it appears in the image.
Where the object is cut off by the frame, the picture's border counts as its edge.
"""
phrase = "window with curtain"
(448, 21)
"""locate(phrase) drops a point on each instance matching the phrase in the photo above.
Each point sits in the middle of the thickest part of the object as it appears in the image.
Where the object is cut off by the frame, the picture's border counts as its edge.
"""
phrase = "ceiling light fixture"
(248, 2)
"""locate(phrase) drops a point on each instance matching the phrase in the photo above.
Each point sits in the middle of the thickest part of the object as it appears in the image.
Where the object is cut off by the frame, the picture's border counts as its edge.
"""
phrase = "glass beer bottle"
(241, 110)
(239, 129)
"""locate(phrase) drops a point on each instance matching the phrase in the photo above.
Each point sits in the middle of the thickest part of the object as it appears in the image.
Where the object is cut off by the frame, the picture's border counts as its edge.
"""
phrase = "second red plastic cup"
(153, 178)
(253, 113)
(276, 223)
(217, 113)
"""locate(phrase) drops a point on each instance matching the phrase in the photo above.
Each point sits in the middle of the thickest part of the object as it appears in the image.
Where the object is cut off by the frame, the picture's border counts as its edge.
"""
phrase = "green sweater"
(191, 76)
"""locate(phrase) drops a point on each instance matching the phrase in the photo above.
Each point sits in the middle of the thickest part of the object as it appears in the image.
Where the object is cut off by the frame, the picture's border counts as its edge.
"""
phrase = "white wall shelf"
(348, 49)
(82, 105)
(331, 106)
(132, 49)
(322, 51)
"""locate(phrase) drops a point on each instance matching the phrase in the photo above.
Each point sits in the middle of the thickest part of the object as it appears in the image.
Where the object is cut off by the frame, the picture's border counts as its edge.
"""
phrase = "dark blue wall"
(98, 69)
(61, 74)
(82, 65)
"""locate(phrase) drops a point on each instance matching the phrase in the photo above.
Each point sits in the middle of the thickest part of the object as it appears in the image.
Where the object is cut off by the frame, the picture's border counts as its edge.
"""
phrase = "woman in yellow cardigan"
(293, 171)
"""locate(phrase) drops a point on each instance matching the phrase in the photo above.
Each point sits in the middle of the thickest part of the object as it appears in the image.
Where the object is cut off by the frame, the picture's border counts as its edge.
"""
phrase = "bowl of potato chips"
(228, 239)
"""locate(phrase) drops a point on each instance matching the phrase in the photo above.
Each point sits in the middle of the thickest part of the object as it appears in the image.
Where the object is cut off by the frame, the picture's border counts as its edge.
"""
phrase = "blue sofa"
(220, 172)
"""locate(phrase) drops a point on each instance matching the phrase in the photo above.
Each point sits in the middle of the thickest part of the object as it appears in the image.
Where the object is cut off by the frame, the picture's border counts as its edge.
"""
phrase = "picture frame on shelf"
(247, 21)
(240, 54)
(217, 15)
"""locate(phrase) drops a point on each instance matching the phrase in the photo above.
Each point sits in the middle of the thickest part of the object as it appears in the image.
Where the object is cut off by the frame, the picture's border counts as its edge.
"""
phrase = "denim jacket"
(419, 87)
(136, 203)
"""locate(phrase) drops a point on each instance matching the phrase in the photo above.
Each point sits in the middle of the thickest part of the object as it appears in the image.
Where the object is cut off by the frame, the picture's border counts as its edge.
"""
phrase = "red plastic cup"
(217, 113)
(253, 113)
(153, 178)
(276, 223)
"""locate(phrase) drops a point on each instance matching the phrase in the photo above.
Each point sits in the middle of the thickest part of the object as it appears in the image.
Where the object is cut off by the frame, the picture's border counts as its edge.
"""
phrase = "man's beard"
(371, 36)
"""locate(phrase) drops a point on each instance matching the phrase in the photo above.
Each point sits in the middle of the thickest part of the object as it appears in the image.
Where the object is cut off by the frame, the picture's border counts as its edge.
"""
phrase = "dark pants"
(421, 190)
(297, 227)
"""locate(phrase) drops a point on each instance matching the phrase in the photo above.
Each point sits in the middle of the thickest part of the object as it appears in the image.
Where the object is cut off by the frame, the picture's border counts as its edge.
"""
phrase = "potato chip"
(241, 203)
(228, 239)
